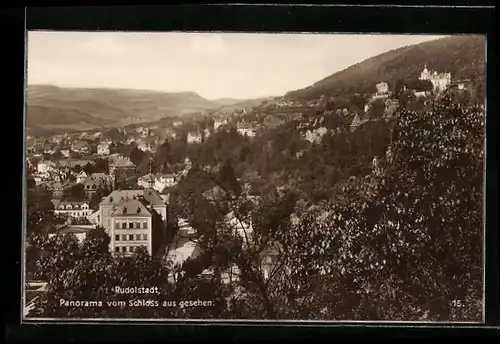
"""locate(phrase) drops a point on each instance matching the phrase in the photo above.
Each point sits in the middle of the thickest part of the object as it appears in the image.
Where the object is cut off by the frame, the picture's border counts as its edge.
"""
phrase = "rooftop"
(122, 162)
(74, 162)
(99, 176)
(131, 207)
(118, 196)
(47, 162)
(148, 177)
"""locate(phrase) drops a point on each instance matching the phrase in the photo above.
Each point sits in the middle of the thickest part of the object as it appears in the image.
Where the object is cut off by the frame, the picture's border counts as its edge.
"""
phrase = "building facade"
(149, 196)
(72, 209)
(103, 148)
(131, 227)
(193, 137)
(440, 81)
(46, 166)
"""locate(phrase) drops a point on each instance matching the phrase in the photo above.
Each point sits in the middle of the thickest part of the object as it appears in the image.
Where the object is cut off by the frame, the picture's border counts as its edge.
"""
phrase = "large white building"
(72, 209)
(193, 137)
(250, 132)
(157, 181)
(131, 227)
(127, 217)
(382, 91)
(219, 123)
(150, 197)
(103, 148)
(46, 166)
(440, 81)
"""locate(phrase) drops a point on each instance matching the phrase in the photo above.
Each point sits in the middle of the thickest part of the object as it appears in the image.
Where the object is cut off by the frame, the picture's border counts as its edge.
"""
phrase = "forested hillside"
(462, 56)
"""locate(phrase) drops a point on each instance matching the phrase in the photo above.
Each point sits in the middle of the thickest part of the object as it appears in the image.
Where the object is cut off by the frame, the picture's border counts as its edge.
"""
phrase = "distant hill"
(53, 118)
(462, 56)
(51, 106)
(227, 101)
(249, 103)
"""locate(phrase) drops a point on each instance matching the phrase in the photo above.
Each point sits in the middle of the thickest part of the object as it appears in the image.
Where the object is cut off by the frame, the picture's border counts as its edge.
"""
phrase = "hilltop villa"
(440, 81)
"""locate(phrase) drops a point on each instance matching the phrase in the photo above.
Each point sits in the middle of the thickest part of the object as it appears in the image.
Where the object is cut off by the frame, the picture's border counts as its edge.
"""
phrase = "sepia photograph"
(254, 177)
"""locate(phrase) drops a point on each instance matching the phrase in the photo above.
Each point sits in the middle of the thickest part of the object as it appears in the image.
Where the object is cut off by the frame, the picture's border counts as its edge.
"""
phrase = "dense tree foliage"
(75, 193)
(39, 210)
(421, 213)
(101, 165)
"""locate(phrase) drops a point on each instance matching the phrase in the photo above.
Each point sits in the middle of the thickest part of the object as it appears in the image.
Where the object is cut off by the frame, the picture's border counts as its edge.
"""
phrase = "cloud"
(103, 45)
(212, 45)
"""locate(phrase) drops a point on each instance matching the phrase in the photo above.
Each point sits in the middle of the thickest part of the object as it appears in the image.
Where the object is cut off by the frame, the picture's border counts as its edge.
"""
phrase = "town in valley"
(330, 202)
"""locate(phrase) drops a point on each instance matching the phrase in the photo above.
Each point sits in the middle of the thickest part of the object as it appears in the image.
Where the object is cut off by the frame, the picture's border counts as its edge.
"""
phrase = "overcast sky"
(215, 65)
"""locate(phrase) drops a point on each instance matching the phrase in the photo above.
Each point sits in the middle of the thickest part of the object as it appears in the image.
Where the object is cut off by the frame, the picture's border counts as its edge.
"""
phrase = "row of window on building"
(124, 249)
(130, 237)
(131, 225)
(74, 213)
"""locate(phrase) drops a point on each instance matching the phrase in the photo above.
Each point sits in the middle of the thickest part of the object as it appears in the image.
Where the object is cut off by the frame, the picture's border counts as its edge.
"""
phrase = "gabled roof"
(47, 162)
(148, 177)
(356, 120)
(55, 202)
(80, 145)
(116, 197)
(91, 184)
(121, 162)
(166, 175)
(99, 175)
(132, 207)
(74, 205)
(153, 197)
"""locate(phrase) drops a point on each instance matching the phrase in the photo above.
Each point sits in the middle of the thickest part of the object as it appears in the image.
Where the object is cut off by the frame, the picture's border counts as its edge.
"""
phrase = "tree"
(39, 210)
(74, 193)
(163, 156)
(358, 101)
(423, 86)
(229, 244)
(227, 178)
(113, 134)
(136, 155)
(30, 182)
(82, 278)
(421, 213)
(377, 109)
(406, 97)
(57, 155)
(101, 166)
(147, 165)
(399, 88)
(88, 169)
(98, 240)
